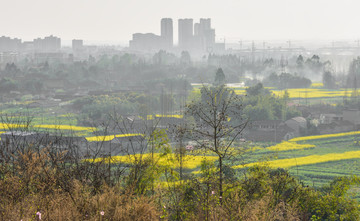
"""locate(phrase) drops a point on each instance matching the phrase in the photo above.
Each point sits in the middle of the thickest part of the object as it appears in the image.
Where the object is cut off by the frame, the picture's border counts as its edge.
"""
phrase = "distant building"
(28, 46)
(8, 44)
(167, 33)
(268, 131)
(77, 45)
(146, 42)
(336, 127)
(185, 33)
(329, 118)
(151, 42)
(206, 34)
(8, 58)
(48, 44)
(352, 115)
(297, 124)
(198, 39)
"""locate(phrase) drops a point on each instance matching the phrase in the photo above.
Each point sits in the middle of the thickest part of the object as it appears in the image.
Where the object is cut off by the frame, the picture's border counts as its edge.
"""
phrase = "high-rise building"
(185, 33)
(205, 23)
(167, 32)
(9, 45)
(205, 33)
(145, 42)
(77, 45)
(197, 39)
(48, 44)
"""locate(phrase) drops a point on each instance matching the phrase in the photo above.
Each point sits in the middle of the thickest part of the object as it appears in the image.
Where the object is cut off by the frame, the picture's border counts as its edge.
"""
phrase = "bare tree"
(219, 124)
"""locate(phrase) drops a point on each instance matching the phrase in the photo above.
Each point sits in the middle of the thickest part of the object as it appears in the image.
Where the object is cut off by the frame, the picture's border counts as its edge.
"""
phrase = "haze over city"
(174, 110)
(114, 21)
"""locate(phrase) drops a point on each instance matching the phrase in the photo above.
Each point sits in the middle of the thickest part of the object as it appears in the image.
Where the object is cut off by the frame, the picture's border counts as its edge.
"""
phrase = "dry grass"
(31, 185)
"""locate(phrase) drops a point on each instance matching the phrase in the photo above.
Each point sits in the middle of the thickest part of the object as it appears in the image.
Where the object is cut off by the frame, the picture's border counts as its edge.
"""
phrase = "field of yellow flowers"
(312, 159)
(286, 145)
(325, 136)
(306, 92)
(189, 161)
(315, 91)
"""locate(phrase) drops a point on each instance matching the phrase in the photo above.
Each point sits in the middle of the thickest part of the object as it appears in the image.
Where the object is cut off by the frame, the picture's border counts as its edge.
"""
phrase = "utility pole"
(289, 42)
(240, 42)
(253, 52)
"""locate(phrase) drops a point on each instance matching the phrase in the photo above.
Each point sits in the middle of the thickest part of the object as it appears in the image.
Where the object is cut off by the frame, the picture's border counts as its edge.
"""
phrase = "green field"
(313, 173)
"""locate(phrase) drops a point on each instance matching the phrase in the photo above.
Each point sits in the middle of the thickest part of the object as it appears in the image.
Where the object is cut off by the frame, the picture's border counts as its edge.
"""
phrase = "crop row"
(312, 159)
(189, 161)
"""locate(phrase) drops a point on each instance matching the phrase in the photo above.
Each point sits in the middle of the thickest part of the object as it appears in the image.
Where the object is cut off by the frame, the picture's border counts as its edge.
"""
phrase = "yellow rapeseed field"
(317, 85)
(286, 145)
(325, 136)
(5, 126)
(312, 93)
(189, 161)
(151, 117)
(65, 127)
(315, 91)
(110, 137)
(313, 159)
(306, 92)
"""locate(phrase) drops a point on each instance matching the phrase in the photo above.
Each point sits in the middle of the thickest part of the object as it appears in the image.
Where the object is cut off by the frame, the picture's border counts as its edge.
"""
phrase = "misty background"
(113, 21)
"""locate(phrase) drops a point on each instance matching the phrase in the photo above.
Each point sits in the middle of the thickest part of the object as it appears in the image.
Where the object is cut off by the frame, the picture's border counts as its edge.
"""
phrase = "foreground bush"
(33, 184)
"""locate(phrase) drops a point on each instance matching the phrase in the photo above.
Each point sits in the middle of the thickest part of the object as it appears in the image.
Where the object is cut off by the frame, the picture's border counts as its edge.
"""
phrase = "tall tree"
(219, 77)
(217, 120)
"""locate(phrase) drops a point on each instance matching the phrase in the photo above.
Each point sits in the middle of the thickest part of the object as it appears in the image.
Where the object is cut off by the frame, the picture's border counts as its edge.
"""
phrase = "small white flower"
(189, 147)
(38, 214)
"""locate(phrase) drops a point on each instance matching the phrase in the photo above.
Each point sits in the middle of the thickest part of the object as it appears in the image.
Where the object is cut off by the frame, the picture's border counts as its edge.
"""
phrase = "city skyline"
(115, 21)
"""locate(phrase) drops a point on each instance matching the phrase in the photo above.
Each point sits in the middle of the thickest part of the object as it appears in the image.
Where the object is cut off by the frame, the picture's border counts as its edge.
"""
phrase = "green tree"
(219, 77)
(257, 90)
(329, 80)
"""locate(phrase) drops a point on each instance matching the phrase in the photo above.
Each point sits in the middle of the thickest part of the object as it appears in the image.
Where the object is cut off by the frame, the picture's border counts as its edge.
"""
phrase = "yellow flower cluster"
(151, 117)
(64, 127)
(110, 137)
(312, 93)
(286, 145)
(170, 116)
(306, 92)
(189, 161)
(315, 91)
(317, 85)
(313, 159)
(325, 136)
(5, 126)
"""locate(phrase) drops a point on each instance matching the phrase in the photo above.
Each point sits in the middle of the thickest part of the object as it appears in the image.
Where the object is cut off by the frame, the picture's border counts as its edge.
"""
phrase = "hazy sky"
(116, 20)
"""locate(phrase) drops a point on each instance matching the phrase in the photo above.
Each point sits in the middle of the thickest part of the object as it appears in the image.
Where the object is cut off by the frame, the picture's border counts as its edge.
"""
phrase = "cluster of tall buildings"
(10, 44)
(47, 44)
(153, 42)
(198, 37)
(40, 50)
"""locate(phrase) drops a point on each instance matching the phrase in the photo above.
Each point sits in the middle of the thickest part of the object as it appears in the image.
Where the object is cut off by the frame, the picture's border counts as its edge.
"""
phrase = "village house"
(268, 131)
(352, 115)
(298, 124)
